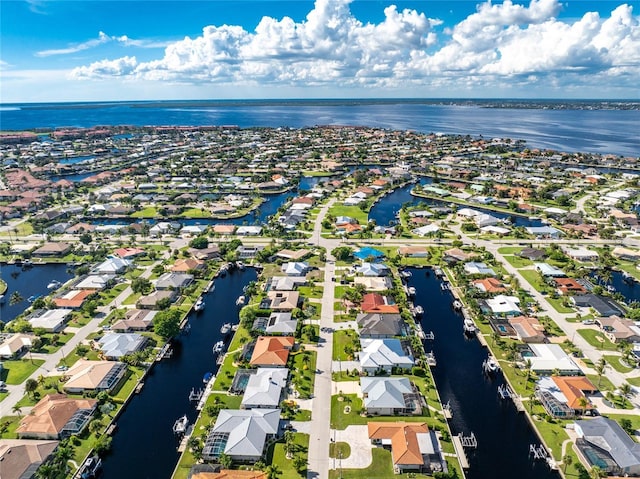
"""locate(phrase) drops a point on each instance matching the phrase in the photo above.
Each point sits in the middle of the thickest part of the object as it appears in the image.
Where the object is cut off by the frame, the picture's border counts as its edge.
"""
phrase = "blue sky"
(121, 50)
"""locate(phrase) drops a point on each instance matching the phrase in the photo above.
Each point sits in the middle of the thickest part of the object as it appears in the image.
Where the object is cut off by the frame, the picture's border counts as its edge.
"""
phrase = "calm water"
(144, 446)
(503, 434)
(28, 282)
(597, 131)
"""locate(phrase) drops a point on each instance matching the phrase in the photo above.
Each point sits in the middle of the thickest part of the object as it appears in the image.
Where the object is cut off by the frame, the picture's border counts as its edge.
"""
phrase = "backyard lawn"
(16, 371)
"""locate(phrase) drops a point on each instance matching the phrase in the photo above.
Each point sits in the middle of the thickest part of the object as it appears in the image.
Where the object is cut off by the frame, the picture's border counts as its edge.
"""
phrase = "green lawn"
(16, 371)
(517, 261)
(533, 278)
(381, 468)
(614, 362)
(148, 212)
(352, 211)
(132, 298)
(303, 372)
(345, 343)
(558, 306)
(279, 458)
(596, 339)
(601, 382)
(196, 213)
(509, 250)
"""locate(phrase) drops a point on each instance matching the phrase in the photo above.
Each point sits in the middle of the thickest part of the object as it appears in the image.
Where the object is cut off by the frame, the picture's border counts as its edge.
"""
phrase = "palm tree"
(527, 364)
(18, 410)
(225, 460)
(15, 298)
(273, 471)
(567, 460)
(600, 368)
(625, 390)
(596, 473)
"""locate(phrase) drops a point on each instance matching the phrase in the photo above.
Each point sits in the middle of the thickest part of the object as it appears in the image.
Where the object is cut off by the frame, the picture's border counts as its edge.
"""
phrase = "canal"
(144, 446)
(28, 282)
(503, 434)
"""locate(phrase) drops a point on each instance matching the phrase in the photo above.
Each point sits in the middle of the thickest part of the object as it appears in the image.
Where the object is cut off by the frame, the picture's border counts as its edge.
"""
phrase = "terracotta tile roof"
(73, 299)
(405, 449)
(490, 285)
(574, 388)
(272, 350)
(376, 303)
(50, 415)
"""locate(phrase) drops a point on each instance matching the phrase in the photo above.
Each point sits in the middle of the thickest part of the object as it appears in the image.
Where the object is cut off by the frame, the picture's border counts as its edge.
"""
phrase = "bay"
(604, 131)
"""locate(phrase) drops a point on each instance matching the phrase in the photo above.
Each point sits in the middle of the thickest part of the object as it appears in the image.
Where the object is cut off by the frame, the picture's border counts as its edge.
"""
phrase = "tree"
(15, 298)
(600, 368)
(225, 460)
(625, 390)
(342, 253)
(567, 460)
(300, 464)
(167, 323)
(597, 473)
(86, 238)
(140, 285)
(30, 386)
(199, 242)
(273, 471)
(18, 410)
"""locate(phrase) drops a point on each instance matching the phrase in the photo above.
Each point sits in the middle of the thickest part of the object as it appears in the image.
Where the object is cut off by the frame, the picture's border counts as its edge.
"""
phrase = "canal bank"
(503, 434)
(144, 445)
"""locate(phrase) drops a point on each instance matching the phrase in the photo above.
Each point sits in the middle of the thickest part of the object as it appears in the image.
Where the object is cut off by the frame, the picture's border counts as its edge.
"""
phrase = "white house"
(383, 355)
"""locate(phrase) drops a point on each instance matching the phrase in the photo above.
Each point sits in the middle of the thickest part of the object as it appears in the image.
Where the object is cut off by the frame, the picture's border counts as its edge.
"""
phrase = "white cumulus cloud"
(102, 39)
(522, 43)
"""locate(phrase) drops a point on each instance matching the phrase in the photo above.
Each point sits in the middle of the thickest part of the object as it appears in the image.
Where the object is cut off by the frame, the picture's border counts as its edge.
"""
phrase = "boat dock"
(185, 439)
(459, 443)
(165, 352)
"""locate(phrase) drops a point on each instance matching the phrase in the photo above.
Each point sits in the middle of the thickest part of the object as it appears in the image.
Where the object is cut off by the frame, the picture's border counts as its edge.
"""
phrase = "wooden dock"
(460, 452)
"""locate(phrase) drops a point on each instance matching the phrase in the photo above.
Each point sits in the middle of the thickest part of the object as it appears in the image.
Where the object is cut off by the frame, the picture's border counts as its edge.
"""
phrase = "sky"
(111, 50)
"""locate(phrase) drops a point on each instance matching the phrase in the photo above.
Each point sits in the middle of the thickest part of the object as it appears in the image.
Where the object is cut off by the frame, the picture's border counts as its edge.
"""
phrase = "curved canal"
(503, 434)
(144, 446)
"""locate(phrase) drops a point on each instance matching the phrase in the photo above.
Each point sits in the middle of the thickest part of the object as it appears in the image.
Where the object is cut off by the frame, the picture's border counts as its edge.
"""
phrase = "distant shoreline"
(506, 103)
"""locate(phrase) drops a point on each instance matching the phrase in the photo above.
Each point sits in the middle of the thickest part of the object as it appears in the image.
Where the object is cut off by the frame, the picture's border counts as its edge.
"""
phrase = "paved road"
(17, 392)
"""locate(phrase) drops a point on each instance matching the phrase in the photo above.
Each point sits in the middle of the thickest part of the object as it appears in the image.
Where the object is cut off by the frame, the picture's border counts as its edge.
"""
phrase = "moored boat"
(54, 284)
(181, 424)
(199, 306)
(490, 365)
(469, 326)
(419, 310)
(226, 327)
(240, 301)
(218, 347)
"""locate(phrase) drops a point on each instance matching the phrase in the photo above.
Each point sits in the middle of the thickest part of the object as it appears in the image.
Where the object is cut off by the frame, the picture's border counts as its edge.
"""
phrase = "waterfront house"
(426, 230)
(455, 255)
(184, 265)
(374, 283)
(281, 300)
(390, 396)
(478, 268)
(57, 416)
(625, 254)
(489, 285)
(20, 458)
(277, 323)
(129, 253)
(581, 253)
(264, 388)
(73, 299)
(150, 301)
(528, 329)
(95, 282)
(113, 265)
(173, 281)
(272, 351)
(413, 446)
(299, 268)
(14, 345)
(569, 286)
(293, 255)
(603, 443)
(373, 269)
(249, 230)
(203, 471)
(241, 434)
(501, 305)
(619, 329)
(248, 252)
(413, 252)
(53, 249)
(550, 358)
(223, 229)
(376, 325)
(565, 396)
(285, 283)
(376, 303)
(134, 320)
(549, 271)
(603, 305)
(87, 375)
(383, 355)
(50, 320)
(115, 345)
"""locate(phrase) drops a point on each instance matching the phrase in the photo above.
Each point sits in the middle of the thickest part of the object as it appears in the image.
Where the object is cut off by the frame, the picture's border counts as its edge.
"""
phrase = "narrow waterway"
(144, 446)
(28, 282)
(503, 434)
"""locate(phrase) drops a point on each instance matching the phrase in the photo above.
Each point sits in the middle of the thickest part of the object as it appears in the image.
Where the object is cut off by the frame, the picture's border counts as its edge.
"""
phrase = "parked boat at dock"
(218, 347)
(226, 328)
(469, 326)
(199, 306)
(490, 365)
(240, 301)
(54, 284)
(181, 424)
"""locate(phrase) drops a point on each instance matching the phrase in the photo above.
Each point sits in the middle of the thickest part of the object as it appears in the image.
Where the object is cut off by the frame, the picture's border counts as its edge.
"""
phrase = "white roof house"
(550, 357)
(95, 281)
(241, 433)
(383, 354)
(386, 396)
(249, 230)
(502, 305)
(473, 267)
(265, 388)
(485, 219)
(112, 265)
(52, 320)
(298, 268)
(548, 270)
(426, 230)
(281, 323)
(116, 345)
(581, 253)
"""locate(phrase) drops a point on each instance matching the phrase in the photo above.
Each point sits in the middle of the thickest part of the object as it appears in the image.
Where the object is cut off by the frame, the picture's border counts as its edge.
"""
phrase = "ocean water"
(587, 130)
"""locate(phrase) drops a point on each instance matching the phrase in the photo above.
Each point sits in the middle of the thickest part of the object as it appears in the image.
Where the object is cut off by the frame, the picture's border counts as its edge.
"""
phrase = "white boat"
(54, 284)
(457, 304)
(235, 327)
(469, 326)
(240, 265)
(419, 310)
(490, 365)
(218, 347)
(611, 288)
(1, 298)
(240, 301)
(199, 306)
(181, 424)
(411, 291)
(226, 327)
(405, 274)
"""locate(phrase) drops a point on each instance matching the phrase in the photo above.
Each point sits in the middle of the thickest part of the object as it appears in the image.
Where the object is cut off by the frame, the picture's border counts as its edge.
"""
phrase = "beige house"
(15, 346)
(56, 416)
(19, 458)
(87, 375)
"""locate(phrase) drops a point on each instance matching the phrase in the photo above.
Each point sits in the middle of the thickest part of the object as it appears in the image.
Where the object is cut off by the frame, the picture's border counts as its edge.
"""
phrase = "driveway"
(358, 439)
